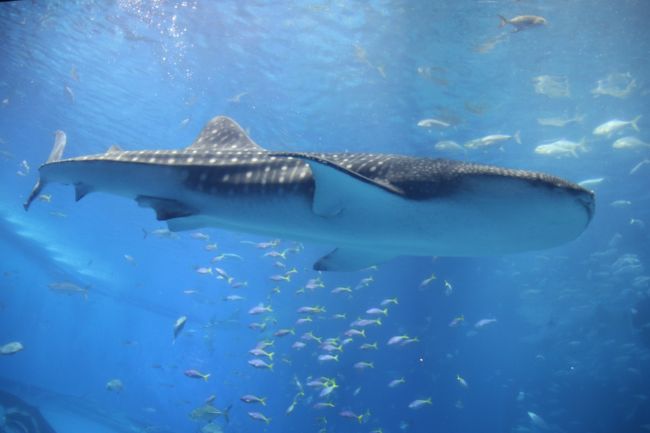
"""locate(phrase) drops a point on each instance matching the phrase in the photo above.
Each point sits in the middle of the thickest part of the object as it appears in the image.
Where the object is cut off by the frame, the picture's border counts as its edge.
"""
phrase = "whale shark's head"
(507, 211)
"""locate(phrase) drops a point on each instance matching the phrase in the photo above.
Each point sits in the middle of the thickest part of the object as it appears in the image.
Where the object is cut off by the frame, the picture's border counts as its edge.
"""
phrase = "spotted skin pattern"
(418, 206)
(224, 158)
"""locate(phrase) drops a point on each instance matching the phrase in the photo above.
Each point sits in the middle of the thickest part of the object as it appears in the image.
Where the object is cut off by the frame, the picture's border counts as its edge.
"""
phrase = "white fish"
(199, 236)
(523, 22)
(552, 86)
(417, 404)
(484, 322)
(115, 385)
(237, 98)
(637, 223)
(618, 85)
(224, 256)
(179, 325)
(448, 145)
(613, 126)
(630, 143)
(161, 233)
(211, 247)
(462, 381)
(490, 140)
(590, 183)
(433, 123)
(620, 203)
(561, 148)
(538, 421)
(560, 122)
(23, 169)
(69, 289)
(203, 270)
(637, 167)
(67, 91)
(11, 348)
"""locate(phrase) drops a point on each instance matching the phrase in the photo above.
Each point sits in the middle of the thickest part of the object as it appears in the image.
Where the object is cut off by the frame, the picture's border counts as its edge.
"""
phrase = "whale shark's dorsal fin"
(223, 133)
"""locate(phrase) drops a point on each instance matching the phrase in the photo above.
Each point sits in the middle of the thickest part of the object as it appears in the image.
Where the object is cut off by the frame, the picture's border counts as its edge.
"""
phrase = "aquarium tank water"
(325, 216)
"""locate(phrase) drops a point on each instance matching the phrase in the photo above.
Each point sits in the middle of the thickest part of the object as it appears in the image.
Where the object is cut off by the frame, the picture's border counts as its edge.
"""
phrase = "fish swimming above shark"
(372, 207)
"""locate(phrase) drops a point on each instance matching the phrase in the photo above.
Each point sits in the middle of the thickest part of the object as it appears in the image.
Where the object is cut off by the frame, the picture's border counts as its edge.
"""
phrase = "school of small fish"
(277, 340)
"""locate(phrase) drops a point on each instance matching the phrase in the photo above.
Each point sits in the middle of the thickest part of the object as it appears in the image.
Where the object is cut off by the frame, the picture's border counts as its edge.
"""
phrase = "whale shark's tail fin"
(55, 155)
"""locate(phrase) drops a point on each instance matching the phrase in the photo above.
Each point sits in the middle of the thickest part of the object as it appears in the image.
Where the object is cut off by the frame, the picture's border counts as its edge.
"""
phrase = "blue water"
(322, 76)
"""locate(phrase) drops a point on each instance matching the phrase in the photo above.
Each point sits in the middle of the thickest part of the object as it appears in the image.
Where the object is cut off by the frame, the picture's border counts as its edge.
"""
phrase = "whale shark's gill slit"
(165, 208)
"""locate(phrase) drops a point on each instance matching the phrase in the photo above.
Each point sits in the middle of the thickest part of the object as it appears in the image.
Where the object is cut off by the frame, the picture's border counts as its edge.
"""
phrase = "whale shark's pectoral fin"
(165, 208)
(345, 259)
(337, 188)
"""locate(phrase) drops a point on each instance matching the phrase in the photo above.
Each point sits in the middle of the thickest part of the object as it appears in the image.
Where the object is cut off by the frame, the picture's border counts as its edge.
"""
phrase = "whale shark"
(18, 416)
(371, 206)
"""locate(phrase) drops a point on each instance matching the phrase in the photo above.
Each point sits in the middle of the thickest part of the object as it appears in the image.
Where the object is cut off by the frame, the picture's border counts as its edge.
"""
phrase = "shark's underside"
(371, 206)
(16, 416)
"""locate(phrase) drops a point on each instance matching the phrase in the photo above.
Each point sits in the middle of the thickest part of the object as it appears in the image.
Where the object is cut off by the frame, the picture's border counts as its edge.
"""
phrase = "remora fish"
(418, 206)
